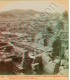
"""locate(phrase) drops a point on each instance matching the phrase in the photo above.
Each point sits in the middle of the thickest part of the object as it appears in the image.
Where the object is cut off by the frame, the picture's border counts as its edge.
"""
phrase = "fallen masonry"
(14, 60)
(18, 56)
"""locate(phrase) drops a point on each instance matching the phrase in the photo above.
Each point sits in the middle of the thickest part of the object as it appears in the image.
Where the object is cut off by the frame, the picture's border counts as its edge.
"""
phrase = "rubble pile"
(7, 57)
(19, 57)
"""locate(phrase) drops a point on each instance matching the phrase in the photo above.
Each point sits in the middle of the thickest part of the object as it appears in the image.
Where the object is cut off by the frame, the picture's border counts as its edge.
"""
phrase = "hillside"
(40, 39)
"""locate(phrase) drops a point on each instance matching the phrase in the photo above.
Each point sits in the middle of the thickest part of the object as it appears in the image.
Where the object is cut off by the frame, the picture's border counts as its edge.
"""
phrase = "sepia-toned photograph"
(34, 37)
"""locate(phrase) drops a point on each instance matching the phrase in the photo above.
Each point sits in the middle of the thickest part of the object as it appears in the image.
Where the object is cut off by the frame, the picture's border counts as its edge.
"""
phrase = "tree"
(56, 47)
(65, 14)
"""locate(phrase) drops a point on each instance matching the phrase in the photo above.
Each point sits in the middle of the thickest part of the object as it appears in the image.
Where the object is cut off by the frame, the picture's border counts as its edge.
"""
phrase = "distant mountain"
(18, 13)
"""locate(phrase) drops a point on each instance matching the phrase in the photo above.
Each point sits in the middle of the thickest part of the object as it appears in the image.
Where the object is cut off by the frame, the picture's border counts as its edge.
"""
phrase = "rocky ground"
(33, 44)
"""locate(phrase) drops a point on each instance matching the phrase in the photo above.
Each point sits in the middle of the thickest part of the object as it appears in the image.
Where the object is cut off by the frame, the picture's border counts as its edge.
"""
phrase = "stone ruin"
(14, 60)
(20, 57)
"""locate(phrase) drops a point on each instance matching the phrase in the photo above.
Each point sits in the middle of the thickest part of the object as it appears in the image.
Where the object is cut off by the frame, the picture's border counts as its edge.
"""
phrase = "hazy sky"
(37, 5)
